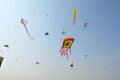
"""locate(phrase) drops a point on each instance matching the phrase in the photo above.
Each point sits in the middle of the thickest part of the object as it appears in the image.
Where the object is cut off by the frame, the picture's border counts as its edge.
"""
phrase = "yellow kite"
(75, 11)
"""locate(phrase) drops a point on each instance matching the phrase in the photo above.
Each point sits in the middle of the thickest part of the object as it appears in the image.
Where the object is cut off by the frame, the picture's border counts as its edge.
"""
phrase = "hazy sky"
(100, 40)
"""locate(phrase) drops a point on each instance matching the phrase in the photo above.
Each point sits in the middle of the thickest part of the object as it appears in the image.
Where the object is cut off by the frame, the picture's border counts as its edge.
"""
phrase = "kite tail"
(73, 22)
(28, 33)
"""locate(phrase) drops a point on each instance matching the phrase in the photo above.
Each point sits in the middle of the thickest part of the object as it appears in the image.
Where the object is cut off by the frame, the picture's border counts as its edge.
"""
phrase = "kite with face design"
(46, 34)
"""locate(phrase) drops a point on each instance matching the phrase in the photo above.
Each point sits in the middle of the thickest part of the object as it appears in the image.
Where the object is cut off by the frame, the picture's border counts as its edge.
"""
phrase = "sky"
(100, 40)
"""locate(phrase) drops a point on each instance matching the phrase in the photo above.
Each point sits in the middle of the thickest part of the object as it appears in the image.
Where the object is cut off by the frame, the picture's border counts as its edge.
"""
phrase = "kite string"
(73, 22)
(28, 33)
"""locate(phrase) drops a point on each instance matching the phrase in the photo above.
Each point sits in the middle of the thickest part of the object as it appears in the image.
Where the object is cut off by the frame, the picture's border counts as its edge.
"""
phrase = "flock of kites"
(68, 41)
(66, 44)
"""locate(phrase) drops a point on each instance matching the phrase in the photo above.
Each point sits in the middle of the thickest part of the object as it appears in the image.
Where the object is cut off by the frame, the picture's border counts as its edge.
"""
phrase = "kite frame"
(67, 42)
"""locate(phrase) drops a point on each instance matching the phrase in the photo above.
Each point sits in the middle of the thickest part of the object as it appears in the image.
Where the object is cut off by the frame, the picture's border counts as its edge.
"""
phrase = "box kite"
(66, 46)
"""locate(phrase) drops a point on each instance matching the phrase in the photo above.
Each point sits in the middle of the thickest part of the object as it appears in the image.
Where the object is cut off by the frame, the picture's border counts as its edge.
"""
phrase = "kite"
(85, 24)
(72, 64)
(6, 46)
(37, 62)
(86, 56)
(66, 46)
(63, 31)
(75, 11)
(1, 60)
(46, 34)
(24, 22)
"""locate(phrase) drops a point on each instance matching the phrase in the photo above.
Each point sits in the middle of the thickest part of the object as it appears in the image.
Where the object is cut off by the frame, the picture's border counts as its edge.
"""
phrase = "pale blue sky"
(103, 61)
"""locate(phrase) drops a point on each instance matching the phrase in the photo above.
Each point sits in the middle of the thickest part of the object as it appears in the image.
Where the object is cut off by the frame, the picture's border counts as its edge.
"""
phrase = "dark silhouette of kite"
(46, 34)
(72, 64)
(7, 46)
(85, 24)
(86, 56)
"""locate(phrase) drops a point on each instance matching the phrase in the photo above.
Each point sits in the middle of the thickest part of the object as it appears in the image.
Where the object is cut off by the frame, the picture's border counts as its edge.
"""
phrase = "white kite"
(24, 22)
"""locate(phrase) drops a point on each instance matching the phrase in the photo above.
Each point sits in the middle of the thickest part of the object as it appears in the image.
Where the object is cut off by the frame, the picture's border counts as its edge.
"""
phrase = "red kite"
(66, 46)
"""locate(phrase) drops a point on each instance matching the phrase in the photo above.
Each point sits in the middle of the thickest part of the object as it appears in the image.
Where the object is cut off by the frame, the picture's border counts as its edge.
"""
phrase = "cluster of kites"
(66, 42)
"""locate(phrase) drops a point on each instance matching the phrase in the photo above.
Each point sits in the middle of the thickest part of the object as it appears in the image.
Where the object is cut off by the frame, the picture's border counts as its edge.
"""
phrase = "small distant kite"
(7, 46)
(46, 34)
(63, 31)
(37, 62)
(72, 64)
(66, 46)
(85, 24)
(24, 22)
(75, 11)
(1, 60)
(86, 56)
